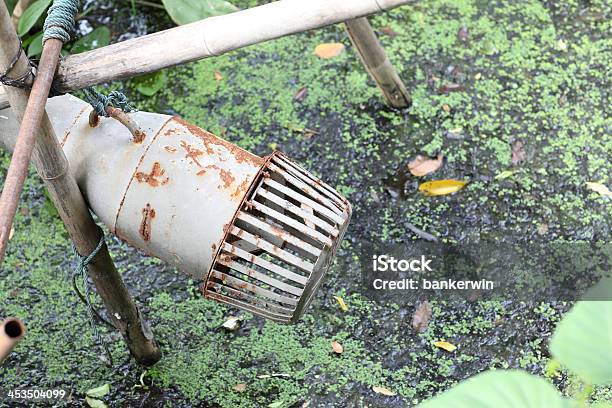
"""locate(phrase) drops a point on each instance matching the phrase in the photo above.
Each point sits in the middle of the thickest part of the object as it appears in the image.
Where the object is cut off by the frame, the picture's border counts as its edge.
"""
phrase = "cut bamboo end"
(12, 331)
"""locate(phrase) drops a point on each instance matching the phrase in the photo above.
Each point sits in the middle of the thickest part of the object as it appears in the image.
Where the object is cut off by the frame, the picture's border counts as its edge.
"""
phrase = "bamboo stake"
(53, 168)
(207, 38)
(32, 116)
(376, 62)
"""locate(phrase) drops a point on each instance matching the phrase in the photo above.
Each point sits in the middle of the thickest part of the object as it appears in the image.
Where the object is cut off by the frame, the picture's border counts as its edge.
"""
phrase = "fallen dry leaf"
(232, 323)
(422, 165)
(386, 30)
(11, 233)
(218, 76)
(542, 228)
(343, 305)
(383, 391)
(239, 387)
(421, 317)
(328, 50)
(337, 347)
(518, 153)
(441, 187)
(301, 94)
(452, 87)
(446, 108)
(599, 188)
(445, 345)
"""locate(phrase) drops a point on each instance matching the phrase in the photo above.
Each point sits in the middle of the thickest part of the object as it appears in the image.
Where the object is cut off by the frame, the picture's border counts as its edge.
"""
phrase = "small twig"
(422, 234)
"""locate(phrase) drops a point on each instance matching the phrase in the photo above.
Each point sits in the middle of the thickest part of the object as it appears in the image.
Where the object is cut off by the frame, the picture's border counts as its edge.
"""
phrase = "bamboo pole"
(207, 38)
(52, 166)
(376, 62)
(32, 116)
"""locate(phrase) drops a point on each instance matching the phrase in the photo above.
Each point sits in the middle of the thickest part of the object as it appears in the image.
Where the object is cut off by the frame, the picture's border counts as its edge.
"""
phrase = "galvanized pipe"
(11, 333)
(207, 38)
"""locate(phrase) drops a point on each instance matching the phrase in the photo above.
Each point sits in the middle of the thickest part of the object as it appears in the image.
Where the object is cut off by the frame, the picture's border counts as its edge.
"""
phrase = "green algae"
(532, 71)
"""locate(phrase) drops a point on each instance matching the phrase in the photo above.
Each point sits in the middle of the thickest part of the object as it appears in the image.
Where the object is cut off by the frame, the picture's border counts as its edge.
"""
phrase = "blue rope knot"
(60, 20)
(100, 101)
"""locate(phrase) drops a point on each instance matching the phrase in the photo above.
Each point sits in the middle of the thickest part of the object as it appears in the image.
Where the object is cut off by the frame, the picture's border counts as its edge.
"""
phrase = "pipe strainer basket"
(280, 244)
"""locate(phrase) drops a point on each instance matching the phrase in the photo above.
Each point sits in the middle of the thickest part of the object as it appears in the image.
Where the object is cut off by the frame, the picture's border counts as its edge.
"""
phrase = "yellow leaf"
(343, 305)
(441, 187)
(218, 76)
(445, 345)
(11, 233)
(328, 50)
(383, 391)
(337, 347)
(599, 188)
(422, 166)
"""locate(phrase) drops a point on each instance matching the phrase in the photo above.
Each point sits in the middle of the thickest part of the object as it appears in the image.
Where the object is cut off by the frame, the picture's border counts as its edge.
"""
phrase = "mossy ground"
(538, 72)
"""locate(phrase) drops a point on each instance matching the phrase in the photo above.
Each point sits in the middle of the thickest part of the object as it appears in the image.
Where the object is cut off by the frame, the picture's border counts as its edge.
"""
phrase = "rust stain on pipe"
(192, 153)
(210, 141)
(133, 176)
(148, 213)
(11, 333)
(155, 177)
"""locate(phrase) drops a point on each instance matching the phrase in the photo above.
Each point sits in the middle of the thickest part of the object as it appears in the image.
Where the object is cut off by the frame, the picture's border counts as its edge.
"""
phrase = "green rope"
(60, 20)
(58, 24)
(81, 272)
(100, 101)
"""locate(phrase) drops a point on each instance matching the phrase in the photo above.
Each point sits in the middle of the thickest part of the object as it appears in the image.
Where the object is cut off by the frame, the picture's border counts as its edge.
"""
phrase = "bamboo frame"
(52, 166)
(208, 38)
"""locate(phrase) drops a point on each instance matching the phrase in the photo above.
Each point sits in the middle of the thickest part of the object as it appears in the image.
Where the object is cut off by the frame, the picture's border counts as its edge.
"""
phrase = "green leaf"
(277, 404)
(35, 47)
(500, 389)
(31, 16)
(98, 391)
(150, 84)
(95, 403)
(99, 37)
(188, 11)
(583, 339)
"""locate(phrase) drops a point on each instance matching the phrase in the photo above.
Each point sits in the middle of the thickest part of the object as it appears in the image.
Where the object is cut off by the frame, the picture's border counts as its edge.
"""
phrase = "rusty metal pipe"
(32, 117)
(122, 117)
(11, 333)
(260, 233)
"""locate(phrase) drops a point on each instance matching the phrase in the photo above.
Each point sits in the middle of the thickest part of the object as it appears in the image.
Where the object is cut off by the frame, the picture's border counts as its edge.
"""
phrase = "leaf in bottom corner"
(98, 391)
(383, 391)
(95, 403)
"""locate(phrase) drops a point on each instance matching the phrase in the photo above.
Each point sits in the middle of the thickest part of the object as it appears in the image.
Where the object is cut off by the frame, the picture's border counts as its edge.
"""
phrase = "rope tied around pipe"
(81, 272)
(60, 20)
(100, 102)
